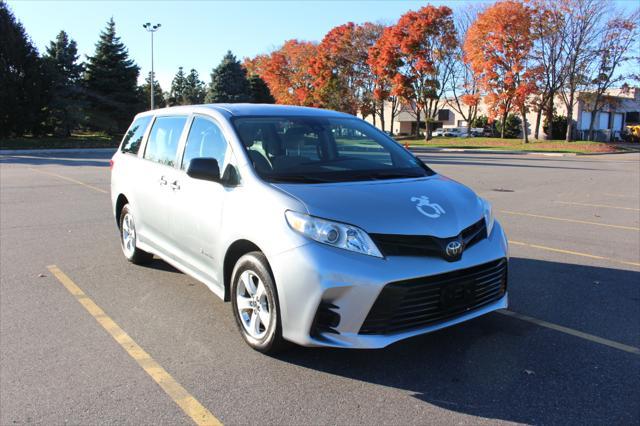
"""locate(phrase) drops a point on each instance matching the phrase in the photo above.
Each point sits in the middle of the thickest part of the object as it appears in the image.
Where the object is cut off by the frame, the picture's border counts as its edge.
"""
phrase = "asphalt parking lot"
(566, 352)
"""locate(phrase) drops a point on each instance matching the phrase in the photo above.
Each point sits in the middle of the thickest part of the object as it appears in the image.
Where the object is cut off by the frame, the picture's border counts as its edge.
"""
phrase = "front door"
(196, 209)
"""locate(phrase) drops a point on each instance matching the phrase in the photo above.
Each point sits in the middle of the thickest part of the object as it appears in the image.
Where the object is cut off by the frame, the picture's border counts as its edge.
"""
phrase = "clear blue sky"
(196, 34)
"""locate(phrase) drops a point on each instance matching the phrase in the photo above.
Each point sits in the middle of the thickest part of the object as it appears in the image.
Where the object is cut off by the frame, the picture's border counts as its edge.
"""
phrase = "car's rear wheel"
(129, 239)
(254, 299)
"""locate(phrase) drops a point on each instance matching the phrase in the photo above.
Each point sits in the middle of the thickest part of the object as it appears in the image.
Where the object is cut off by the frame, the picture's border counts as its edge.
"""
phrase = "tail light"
(111, 164)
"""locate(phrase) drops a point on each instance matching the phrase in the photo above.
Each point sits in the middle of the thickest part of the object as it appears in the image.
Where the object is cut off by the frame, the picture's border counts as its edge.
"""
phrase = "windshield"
(317, 150)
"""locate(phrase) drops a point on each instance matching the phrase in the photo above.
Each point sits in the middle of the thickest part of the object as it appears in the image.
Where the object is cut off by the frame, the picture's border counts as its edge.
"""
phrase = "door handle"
(163, 180)
(175, 185)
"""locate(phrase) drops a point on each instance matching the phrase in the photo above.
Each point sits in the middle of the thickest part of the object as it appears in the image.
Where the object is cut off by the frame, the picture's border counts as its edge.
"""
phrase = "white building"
(622, 108)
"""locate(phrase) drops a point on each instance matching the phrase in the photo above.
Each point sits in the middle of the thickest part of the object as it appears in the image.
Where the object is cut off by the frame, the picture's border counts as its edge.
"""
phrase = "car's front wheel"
(129, 239)
(254, 299)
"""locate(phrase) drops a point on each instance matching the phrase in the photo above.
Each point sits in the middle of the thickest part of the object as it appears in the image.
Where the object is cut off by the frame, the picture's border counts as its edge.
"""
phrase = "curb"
(494, 151)
(56, 151)
(544, 153)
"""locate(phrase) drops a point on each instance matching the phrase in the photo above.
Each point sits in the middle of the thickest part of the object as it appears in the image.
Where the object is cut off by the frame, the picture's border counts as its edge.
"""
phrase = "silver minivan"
(318, 228)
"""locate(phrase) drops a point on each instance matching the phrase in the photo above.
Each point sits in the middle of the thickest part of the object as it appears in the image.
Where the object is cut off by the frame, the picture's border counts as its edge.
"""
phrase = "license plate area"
(457, 294)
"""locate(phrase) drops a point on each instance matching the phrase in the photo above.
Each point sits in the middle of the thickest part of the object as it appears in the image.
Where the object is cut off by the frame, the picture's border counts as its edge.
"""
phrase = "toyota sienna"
(317, 227)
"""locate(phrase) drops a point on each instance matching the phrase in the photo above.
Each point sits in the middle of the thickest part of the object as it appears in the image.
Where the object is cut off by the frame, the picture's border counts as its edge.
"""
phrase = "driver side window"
(205, 140)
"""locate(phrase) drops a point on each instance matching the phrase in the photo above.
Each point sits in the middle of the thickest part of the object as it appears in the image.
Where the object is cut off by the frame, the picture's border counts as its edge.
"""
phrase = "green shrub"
(559, 126)
(512, 128)
(480, 121)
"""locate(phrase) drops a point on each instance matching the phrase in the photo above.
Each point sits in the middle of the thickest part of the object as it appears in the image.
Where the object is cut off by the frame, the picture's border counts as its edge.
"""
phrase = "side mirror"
(204, 169)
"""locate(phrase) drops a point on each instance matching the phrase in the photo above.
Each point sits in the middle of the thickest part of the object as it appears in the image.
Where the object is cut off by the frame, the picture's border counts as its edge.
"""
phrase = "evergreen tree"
(111, 82)
(229, 82)
(24, 82)
(260, 93)
(65, 108)
(145, 94)
(178, 85)
(195, 91)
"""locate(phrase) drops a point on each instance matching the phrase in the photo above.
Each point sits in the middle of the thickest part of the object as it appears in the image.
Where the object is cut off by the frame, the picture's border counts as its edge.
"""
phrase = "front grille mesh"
(406, 305)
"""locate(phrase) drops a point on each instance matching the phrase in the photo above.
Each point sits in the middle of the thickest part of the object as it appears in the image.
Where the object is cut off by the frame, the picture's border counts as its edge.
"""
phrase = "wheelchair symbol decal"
(427, 208)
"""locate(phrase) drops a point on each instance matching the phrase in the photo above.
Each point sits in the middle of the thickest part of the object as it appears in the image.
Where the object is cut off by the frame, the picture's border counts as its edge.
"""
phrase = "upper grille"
(405, 305)
(425, 245)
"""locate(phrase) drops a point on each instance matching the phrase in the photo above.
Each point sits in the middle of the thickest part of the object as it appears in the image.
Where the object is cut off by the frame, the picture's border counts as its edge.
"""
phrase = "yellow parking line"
(572, 332)
(198, 413)
(95, 188)
(562, 219)
(597, 205)
(573, 253)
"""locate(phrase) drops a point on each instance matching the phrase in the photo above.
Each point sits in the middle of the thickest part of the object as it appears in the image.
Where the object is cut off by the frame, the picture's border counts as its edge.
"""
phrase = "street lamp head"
(151, 28)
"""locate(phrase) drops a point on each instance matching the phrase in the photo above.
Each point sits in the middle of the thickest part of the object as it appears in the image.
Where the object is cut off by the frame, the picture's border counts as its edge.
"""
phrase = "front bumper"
(315, 273)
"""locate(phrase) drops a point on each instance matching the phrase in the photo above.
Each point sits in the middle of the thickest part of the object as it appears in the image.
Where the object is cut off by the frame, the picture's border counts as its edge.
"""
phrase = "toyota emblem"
(454, 249)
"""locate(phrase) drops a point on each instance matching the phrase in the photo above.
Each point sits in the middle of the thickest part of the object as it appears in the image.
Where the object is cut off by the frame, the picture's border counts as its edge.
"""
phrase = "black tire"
(133, 253)
(272, 342)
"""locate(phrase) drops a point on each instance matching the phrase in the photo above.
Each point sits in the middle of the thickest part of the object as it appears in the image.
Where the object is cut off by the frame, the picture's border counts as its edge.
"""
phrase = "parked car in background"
(438, 132)
(456, 132)
(316, 226)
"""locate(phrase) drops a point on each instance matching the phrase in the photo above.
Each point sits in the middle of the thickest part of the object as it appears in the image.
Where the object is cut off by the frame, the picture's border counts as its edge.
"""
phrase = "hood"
(435, 205)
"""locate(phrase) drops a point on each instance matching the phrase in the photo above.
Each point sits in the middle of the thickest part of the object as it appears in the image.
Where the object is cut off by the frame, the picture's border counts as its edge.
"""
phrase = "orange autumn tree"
(342, 78)
(381, 70)
(416, 56)
(498, 49)
(286, 72)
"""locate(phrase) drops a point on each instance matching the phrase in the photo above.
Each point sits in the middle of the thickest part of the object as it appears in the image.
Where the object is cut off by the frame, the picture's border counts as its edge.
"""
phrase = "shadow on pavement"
(90, 159)
(497, 367)
(160, 265)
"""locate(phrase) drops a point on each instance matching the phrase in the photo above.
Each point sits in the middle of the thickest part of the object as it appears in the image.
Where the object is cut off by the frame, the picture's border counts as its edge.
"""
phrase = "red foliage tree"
(415, 55)
(342, 77)
(381, 71)
(286, 72)
(498, 49)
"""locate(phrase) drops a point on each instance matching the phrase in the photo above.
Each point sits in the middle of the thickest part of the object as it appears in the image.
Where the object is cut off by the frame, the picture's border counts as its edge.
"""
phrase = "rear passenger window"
(133, 138)
(205, 140)
(163, 140)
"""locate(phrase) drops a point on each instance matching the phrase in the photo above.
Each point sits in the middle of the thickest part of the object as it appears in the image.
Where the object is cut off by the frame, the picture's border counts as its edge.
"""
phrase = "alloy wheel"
(128, 235)
(253, 305)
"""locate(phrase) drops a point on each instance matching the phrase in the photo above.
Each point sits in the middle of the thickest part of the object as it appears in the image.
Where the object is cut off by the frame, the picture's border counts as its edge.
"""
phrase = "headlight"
(488, 215)
(335, 234)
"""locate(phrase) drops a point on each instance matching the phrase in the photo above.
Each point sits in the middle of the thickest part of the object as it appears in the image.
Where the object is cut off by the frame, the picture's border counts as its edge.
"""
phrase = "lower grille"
(405, 305)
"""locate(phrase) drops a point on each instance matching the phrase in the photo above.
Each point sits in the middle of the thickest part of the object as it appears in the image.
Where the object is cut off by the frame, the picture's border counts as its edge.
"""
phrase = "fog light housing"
(326, 320)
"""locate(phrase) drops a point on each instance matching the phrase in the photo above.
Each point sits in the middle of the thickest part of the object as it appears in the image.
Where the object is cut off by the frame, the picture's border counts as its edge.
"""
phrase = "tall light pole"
(152, 29)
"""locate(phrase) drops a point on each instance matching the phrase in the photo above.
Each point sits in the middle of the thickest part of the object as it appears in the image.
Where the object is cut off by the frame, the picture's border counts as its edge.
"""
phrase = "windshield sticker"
(432, 210)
